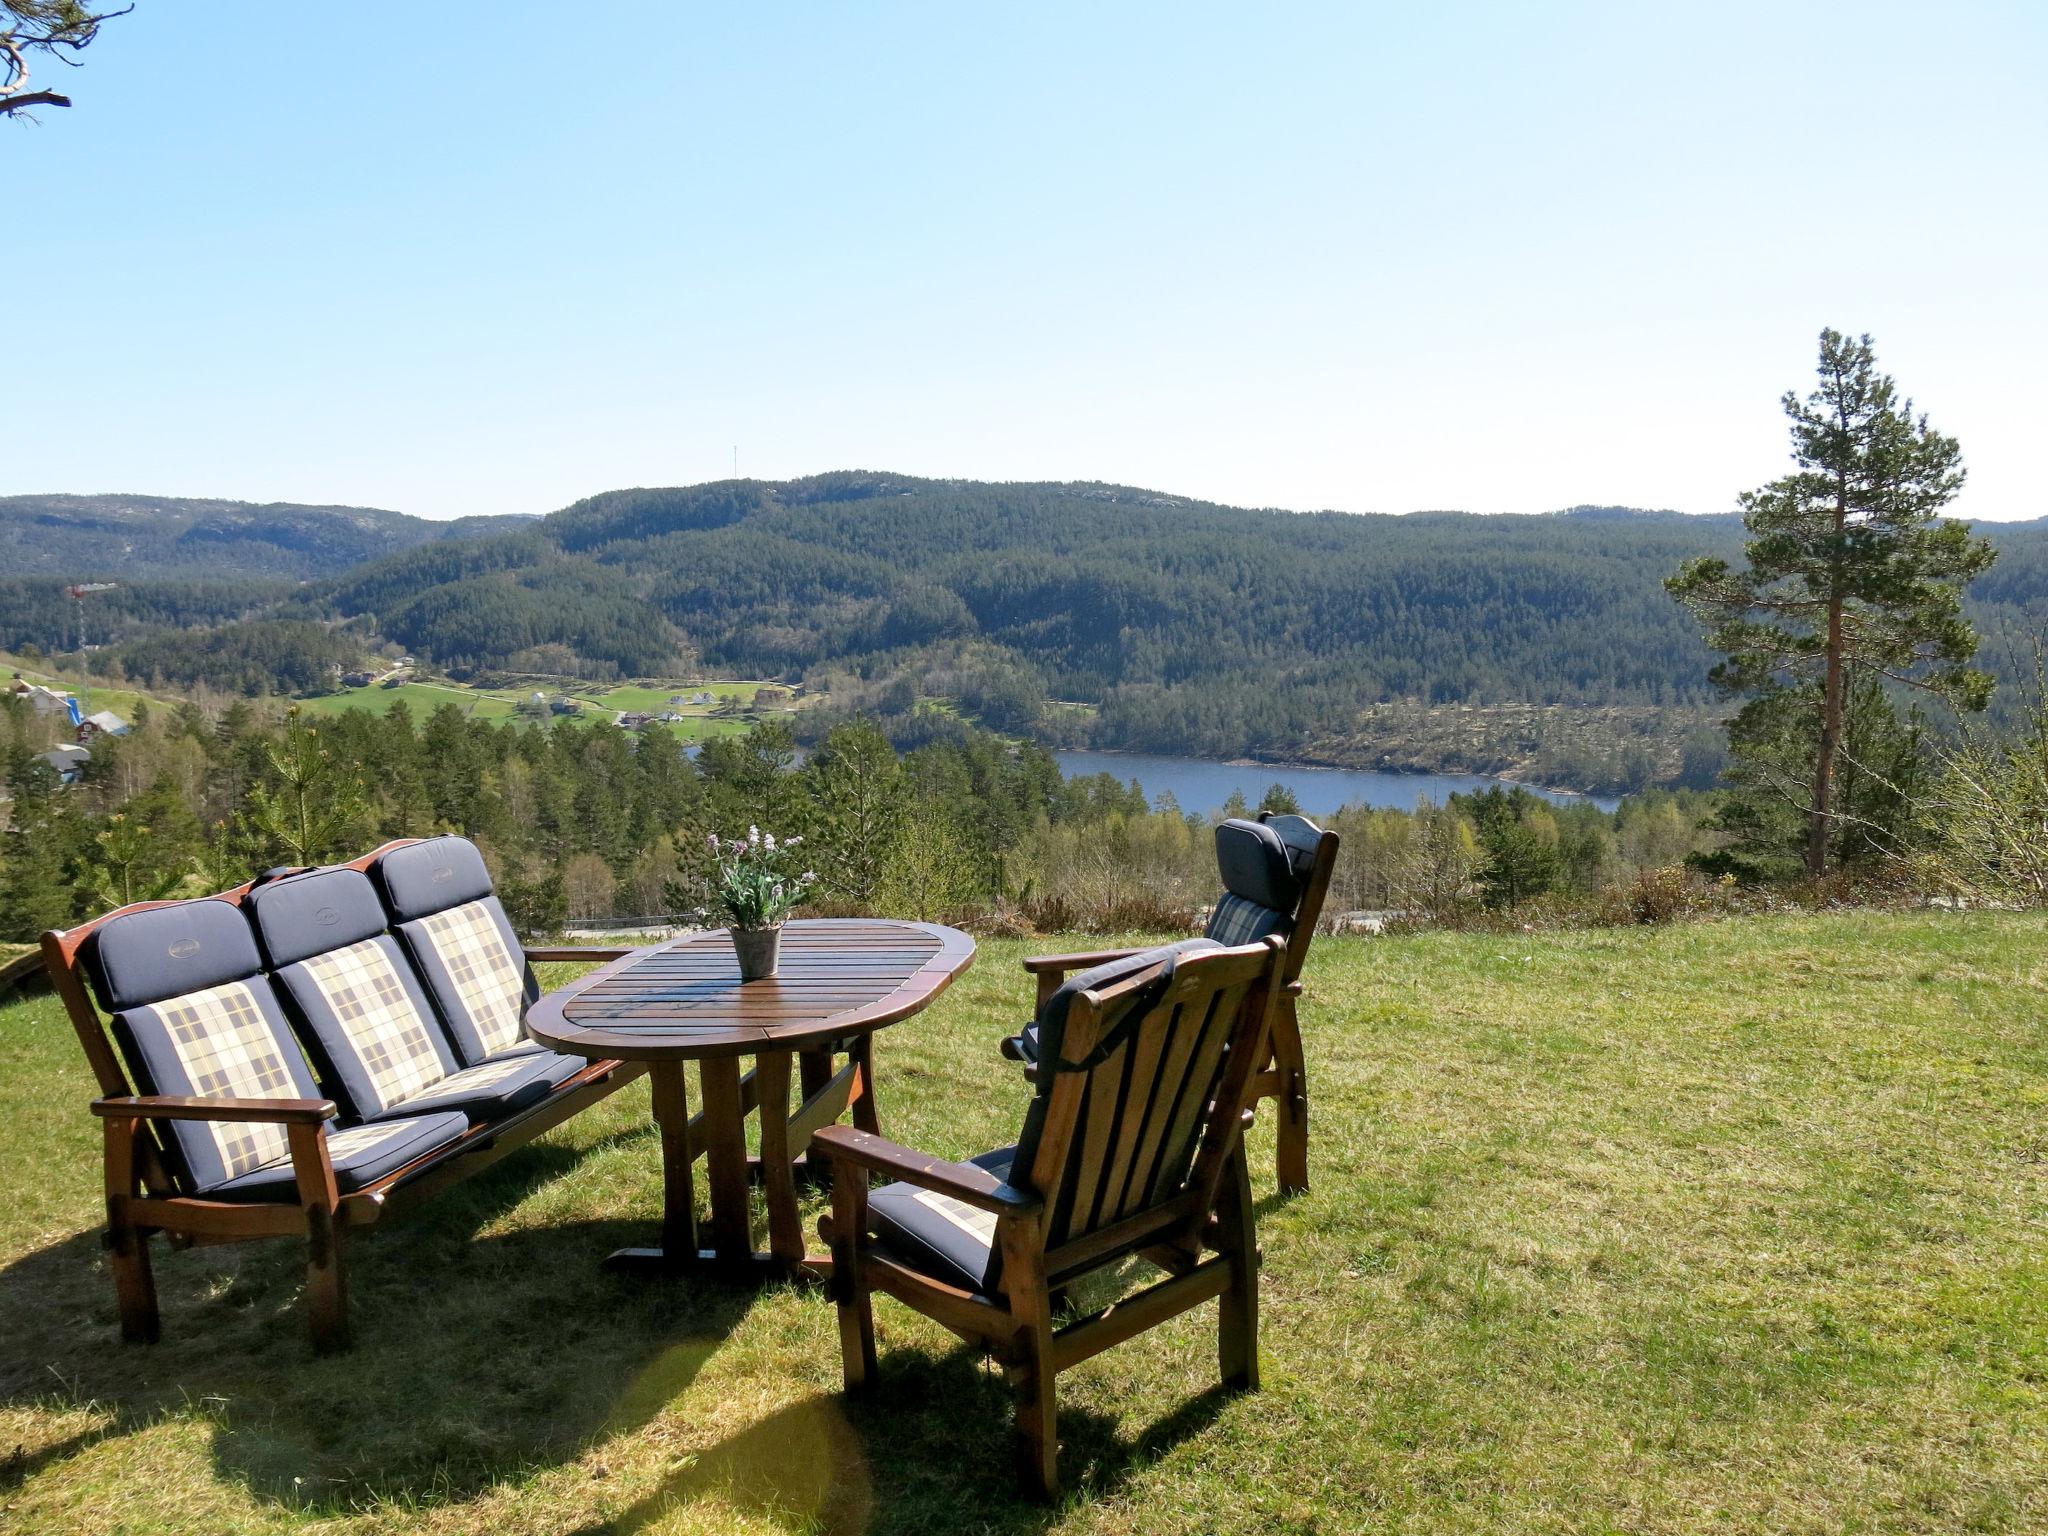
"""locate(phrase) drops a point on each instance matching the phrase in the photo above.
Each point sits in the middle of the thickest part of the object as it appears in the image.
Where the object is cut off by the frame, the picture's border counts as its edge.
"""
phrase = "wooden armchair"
(1132, 1145)
(1311, 856)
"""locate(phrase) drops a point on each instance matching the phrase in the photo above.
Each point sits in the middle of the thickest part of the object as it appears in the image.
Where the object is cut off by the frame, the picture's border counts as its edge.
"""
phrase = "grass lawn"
(1731, 1227)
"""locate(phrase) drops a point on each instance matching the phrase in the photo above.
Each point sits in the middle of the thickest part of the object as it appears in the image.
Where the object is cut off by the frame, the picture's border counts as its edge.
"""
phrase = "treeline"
(37, 617)
(585, 824)
(260, 657)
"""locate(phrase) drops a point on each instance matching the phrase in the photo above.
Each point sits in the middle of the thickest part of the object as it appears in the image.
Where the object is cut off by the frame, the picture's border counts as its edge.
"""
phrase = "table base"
(719, 1132)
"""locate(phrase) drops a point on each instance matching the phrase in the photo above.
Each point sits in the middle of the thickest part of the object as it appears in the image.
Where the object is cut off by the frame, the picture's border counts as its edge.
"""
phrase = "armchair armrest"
(1037, 965)
(542, 954)
(963, 1181)
(180, 1107)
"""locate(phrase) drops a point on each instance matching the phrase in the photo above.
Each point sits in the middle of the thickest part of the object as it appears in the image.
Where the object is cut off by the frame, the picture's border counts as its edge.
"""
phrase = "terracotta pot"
(759, 951)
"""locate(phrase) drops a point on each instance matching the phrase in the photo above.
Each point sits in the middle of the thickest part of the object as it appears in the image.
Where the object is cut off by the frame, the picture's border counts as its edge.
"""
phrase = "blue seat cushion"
(476, 973)
(938, 1235)
(227, 1041)
(372, 1029)
(490, 1091)
(1238, 920)
(361, 1156)
(1052, 1014)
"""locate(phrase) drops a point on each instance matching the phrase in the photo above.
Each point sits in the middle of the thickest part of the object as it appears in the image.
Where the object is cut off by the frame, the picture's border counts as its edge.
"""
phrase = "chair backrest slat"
(1121, 1135)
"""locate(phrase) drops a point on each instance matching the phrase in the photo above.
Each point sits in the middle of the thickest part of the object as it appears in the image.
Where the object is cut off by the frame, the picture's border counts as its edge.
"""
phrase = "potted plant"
(753, 893)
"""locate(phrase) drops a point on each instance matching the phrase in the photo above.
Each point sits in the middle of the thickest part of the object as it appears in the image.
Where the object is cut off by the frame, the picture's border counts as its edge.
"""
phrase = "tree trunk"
(1830, 744)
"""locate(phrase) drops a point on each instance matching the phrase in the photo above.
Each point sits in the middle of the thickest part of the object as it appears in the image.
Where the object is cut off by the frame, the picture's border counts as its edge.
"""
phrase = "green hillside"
(97, 538)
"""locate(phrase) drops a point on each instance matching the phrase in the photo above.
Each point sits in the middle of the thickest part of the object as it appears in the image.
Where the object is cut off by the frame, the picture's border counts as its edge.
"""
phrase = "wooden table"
(840, 980)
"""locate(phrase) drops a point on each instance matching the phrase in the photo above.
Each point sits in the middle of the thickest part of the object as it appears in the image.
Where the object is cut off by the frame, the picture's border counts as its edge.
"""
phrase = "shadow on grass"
(476, 1358)
(930, 1451)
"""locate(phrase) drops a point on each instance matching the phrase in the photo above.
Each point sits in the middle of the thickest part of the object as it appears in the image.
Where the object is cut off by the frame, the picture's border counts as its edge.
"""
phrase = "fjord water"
(1202, 786)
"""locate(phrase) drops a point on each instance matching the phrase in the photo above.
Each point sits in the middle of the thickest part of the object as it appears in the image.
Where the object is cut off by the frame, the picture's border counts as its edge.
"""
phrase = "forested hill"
(90, 538)
(1139, 602)
(1081, 612)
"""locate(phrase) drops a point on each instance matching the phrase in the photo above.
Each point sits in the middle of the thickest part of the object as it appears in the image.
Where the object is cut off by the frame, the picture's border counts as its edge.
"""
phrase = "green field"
(421, 698)
(1726, 1227)
(502, 703)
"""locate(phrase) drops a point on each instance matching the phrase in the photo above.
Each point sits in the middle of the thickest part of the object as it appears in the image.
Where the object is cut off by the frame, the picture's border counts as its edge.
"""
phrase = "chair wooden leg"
(1237, 1339)
(1029, 1364)
(128, 1244)
(327, 1292)
(326, 1278)
(1037, 1419)
(849, 1282)
(1292, 1101)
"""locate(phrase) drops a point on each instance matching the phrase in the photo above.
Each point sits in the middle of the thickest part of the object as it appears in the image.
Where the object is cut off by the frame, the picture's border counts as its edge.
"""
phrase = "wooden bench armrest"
(1037, 965)
(179, 1107)
(543, 954)
(963, 1181)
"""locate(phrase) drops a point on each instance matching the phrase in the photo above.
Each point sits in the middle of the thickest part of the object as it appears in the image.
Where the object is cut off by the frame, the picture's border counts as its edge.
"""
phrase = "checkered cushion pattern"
(489, 979)
(1237, 920)
(228, 1050)
(382, 1024)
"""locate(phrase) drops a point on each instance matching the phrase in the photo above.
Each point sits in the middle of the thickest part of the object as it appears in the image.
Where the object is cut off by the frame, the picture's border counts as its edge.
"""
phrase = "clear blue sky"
(1373, 257)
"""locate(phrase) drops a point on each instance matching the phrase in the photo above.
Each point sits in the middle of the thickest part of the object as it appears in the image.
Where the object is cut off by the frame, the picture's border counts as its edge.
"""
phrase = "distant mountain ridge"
(1157, 622)
(87, 538)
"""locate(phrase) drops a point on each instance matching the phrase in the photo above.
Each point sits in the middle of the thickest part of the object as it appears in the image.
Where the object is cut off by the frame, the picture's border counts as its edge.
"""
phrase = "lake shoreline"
(1292, 765)
(1207, 784)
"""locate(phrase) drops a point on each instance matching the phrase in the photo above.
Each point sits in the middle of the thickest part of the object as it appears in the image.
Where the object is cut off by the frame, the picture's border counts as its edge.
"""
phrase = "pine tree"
(1850, 567)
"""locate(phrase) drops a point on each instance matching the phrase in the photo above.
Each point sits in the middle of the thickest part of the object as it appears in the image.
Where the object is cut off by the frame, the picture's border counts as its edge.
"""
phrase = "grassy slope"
(1736, 1226)
(499, 704)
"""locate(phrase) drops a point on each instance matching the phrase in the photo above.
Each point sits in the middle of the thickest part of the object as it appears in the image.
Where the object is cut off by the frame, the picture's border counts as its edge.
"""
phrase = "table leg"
(861, 1048)
(678, 1245)
(814, 1071)
(778, 1177)
(725, 1156)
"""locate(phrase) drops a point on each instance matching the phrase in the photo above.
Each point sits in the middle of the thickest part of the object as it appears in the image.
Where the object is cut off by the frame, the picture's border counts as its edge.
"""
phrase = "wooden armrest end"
(1057, 964)
(963, 1181)
(544, 954)
(183, 1107)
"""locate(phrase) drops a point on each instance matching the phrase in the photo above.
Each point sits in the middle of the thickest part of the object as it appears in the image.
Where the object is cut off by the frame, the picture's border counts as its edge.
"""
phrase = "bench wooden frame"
(142, 1197)
(1284, 1078)
(1203, 1235)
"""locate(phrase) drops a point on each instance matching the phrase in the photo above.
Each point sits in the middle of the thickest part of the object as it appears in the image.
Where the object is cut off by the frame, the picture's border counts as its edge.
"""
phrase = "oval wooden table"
(840, 979)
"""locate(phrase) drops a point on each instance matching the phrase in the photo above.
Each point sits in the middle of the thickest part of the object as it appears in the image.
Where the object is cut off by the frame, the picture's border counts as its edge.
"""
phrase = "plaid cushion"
(489, 980)
(228, 1050)
(1239, 921)
(379, 1020)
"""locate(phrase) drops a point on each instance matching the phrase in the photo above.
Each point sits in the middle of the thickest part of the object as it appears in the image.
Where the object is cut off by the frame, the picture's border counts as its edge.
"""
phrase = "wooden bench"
(192, 1001)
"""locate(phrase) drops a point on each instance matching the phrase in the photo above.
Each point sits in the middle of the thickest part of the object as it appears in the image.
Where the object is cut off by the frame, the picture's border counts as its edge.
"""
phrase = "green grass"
(501, 703)
(421, 698)
(1732, 1227)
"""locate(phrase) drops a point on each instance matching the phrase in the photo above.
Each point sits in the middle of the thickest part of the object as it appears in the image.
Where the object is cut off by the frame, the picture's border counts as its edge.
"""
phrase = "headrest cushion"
(304, 915)
(431, 876)
(146, 957)
(1255, 864)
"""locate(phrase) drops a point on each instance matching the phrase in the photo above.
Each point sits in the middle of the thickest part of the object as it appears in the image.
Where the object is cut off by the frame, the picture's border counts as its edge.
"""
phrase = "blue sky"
(1370, 257)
